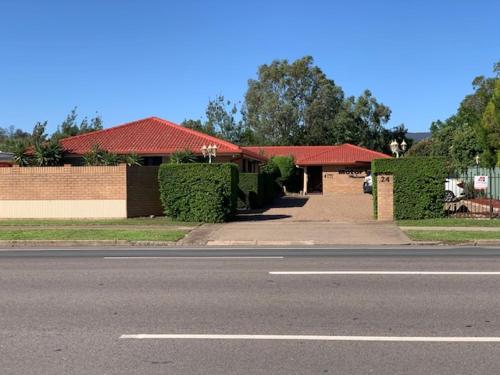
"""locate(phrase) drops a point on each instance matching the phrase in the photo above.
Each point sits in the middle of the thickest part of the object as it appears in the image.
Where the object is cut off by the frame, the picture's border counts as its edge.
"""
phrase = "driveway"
(313, 220)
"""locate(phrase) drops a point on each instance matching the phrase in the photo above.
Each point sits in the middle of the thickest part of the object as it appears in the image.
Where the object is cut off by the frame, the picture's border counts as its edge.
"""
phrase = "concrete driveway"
(313, 220)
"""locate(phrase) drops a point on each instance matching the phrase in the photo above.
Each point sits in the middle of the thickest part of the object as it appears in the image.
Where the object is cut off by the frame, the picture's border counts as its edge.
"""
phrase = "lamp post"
(477, 159)
(209, 151)
(398, 149)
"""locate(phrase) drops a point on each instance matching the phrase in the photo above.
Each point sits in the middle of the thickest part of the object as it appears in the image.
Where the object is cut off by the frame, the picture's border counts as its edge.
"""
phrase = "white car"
(454, 189)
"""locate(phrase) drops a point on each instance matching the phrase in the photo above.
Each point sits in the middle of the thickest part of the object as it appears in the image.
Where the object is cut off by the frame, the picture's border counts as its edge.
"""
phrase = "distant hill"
(418, 136)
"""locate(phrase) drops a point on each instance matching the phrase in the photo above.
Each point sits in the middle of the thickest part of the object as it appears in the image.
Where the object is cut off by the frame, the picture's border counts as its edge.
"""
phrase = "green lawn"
(451, 236)
(451, 222)
(93, 234)
(84, 222)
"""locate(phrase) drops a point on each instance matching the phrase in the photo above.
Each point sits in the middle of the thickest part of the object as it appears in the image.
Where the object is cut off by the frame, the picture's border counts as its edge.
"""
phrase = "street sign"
(480, 182)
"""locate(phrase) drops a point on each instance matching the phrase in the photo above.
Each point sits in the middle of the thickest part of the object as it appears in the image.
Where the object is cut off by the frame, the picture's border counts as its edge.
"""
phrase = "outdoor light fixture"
(398, 149)
(209, 151)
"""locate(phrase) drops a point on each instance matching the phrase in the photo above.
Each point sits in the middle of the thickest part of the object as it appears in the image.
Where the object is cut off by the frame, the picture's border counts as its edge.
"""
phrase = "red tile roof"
(149, 136)
(321, 155)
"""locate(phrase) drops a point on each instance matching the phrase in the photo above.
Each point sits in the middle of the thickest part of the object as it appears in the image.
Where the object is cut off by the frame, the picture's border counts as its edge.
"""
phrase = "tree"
(70, 126)
(221, 118)
(290, 99)
(489, 128)
(421, 148)
(198, 126)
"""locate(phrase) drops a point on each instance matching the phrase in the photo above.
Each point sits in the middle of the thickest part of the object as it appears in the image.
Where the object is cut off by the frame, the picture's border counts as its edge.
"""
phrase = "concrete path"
(312, 220)
(306, 233)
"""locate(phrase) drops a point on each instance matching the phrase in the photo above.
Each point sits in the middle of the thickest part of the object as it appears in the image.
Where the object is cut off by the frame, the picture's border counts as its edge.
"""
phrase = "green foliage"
(47, 154)
(251, 190)
(470, 131)
(296, 103)
(97, 156)
(21, 156)
(489, 128)
(418, 185)
(132, 160)
(421, 148)
(70, 126)
(288, 172)
(199, 192)
(182, 157)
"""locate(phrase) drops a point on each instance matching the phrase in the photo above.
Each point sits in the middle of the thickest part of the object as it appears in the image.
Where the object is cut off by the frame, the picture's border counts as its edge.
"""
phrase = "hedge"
(418, 186)
(251, 190)
(199, 192)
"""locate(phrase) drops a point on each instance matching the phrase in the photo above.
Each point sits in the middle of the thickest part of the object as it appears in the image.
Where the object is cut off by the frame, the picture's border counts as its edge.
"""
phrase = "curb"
(77, 243)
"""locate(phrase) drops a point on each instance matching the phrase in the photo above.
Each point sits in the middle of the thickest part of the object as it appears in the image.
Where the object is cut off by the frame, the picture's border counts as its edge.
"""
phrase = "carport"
(327, 170)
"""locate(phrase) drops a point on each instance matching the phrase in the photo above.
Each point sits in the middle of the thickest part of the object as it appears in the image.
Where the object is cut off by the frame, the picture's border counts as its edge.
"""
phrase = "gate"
(473, 193)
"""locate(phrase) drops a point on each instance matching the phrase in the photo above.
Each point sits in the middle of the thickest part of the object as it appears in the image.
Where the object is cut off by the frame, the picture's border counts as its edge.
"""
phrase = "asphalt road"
(66, 312)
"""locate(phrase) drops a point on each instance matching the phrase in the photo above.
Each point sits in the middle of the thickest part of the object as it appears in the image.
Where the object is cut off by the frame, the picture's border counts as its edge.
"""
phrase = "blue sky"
(130, 59)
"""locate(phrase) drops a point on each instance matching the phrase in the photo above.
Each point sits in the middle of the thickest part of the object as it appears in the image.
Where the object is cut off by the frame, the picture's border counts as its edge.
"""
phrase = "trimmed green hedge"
(251, 191)
(199, 192)
(418, 186)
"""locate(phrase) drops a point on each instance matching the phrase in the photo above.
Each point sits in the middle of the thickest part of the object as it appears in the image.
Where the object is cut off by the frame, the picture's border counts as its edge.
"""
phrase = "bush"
(418, 186)
(289, 175)
(199, 192)
(251, 190)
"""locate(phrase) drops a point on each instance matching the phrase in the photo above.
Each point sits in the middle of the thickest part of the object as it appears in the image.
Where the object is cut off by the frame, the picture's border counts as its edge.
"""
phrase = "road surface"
(250, 311)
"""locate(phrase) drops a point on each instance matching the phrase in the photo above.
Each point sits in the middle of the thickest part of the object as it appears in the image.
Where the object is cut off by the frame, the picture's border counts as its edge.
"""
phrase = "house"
(155, 139)
(327, 169)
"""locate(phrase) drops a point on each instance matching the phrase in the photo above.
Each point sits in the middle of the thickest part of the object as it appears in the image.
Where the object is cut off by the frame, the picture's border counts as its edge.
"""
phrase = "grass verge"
(451, 236)
(84, 222)
(450, 222)
(92, 234)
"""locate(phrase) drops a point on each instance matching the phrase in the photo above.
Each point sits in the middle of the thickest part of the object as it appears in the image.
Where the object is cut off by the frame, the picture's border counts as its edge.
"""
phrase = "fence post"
(491, 193)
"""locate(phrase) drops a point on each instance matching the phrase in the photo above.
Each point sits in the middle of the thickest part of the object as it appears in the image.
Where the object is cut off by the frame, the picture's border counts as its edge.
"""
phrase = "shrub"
(251, 190)
(418, 185)
(199, 192)
(183, 156)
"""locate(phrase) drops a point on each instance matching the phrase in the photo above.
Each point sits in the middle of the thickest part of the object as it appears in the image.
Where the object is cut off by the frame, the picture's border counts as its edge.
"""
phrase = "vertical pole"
(305, 180)
(491, 193)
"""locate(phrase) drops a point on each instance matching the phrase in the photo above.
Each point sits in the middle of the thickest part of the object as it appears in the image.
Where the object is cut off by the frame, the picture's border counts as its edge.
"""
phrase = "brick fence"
(79, 192)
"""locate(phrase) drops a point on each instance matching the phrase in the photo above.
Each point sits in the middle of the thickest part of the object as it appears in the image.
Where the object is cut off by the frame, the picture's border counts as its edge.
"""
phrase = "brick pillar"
(385, 197)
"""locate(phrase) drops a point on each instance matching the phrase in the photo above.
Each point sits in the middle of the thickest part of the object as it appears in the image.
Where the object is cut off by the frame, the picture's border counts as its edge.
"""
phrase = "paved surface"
(313, 220)
(341, 208)
(66, 315)
(306, 233)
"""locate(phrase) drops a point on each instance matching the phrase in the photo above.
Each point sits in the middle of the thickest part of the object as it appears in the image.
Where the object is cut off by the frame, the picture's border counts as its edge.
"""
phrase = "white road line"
(464, 273)
(143, 336)
(197, 258)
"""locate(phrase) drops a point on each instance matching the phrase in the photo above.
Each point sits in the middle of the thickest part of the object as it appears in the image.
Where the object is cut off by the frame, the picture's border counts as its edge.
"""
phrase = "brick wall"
(143, 194)
(343, 179)
(385, 197)
(79, 192)
(63, 183)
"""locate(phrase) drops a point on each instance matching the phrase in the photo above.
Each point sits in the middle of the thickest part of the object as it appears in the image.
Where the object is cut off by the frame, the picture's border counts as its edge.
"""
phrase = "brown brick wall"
(385, 197)
(63, 183)
(343, 179)
(143, 195)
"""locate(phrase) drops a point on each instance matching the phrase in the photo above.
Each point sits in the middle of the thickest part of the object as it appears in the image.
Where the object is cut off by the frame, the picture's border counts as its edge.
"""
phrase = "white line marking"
(197, 258)
(143, 336)
(470, 273)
